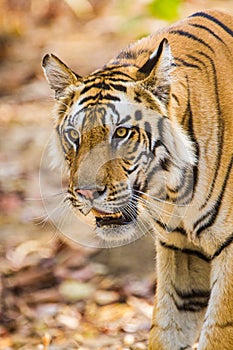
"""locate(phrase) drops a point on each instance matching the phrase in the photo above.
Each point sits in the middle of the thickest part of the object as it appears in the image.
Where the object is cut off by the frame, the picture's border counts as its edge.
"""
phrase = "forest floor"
(57, 294)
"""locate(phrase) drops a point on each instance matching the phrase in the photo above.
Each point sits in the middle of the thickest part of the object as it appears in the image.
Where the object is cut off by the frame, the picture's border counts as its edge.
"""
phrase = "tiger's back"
(156, 125)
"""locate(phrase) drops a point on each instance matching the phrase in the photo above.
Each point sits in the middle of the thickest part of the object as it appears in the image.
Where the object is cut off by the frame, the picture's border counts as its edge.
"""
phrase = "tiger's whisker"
(161, 200)
(152, 206)
(46, 197)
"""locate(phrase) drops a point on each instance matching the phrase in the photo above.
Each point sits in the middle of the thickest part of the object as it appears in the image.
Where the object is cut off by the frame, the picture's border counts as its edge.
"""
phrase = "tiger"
(147, 143)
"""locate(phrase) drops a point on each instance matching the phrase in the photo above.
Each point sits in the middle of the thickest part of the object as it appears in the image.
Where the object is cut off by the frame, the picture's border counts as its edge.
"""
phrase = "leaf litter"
(56, 295)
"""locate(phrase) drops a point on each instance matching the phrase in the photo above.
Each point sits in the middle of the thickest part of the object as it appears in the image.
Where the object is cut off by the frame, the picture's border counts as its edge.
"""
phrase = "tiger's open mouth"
(119, 218)
(126, 216)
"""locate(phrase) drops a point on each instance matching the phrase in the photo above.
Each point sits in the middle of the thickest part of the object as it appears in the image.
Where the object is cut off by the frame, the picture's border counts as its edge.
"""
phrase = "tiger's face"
(111, 161)
(119, 143)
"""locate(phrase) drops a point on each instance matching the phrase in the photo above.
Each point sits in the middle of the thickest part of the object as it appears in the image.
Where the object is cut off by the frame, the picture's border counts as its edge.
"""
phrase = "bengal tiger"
(148, 142)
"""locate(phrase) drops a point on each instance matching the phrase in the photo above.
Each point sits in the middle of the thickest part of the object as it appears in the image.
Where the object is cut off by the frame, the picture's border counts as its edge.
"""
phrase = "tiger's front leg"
(181, 298)
(217, 331)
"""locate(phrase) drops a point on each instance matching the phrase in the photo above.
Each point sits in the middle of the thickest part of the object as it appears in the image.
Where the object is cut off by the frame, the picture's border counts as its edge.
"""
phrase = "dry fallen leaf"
(74, 291)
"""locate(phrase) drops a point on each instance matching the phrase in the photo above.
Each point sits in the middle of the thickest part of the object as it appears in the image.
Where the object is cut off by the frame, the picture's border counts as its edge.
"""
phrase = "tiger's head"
(121, 145)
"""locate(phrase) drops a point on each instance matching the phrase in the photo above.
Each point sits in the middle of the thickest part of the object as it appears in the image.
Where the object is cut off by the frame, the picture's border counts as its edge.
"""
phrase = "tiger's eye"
(73, 135)
(121, 132)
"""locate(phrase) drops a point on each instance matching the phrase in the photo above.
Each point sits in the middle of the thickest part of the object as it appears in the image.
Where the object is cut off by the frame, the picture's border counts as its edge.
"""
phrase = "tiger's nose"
(91, 194)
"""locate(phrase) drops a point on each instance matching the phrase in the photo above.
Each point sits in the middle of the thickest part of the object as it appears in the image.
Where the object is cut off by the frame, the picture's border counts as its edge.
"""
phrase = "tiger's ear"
(155, 73)
(58, 74)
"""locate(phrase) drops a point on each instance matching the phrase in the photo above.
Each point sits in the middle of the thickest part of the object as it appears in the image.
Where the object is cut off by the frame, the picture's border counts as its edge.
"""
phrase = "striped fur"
(155, 127)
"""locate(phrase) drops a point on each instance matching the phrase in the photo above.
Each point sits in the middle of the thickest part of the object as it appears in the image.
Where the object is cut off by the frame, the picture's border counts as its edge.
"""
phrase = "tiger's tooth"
(118, 215)
(103, 215)
(86, 211)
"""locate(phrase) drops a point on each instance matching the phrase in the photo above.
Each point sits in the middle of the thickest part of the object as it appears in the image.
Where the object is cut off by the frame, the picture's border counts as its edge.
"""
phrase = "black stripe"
(191, 36)
(194, 293)
(58, 129)
(165, 164)
(118, 72)
(213, 212)
(88, 98)
(186, 251)
(208, 30)
(225, 325)
(192, 306)
(195, 175)
(116, 79)
(118, 87)
(192, 136)
(103, 116)
(111, 76)
(227, 242)
(111, 98)
(113, 108)
(213, 19)
(130, 55)
(136, 132)
(188, 191)
(186, 113)
(100, 97)
(138, 115)
(100, 85)
(130, 171)
(113, 70)
(148, 131)
(161, 130)
(190, 119)
(165, 227)
(124, 120)
(187, 64)
(88, 112)
(142, 51)
(188, 185)
(176, 98)
(140, 155)
(137, 97)
(157, 144)
(115, 112)
(72, 94)
(197, 60)
(133, 54)
(220, 128)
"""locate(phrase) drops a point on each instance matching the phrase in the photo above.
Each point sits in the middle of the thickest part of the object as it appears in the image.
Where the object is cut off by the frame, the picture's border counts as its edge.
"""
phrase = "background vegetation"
(56, 294)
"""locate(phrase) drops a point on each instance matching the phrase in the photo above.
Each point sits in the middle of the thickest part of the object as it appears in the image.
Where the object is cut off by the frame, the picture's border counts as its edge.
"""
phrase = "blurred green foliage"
(164, 9)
